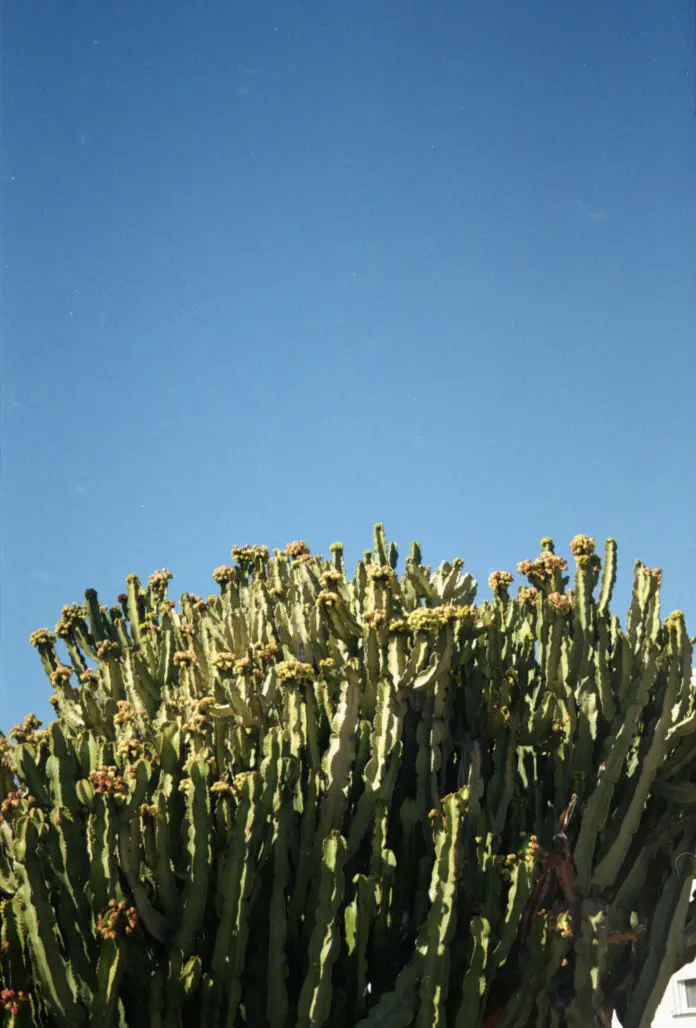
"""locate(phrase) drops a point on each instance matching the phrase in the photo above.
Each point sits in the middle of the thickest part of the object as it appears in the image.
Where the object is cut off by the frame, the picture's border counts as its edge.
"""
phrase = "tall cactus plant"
(315, 801)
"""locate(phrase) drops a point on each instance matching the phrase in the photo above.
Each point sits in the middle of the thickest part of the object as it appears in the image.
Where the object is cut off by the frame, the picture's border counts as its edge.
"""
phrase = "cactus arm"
(441, 921)
(66, 872)
(597, 810)
(198, 825)
(129, 856)
(61, 770)
(521, 883)
(133, 605)
(506, 787)
(340, 754)
(277, 1003)
(29, 772)
(53, 975)
(104, 1009)
(235, 886)
(605, 873)
(308, 829)
(385, 749)
(380, 544)
(166, 820)
(474, 986)
(359, 915)
(608, 578)
(603, 673)
(315, 997)
(102, 846)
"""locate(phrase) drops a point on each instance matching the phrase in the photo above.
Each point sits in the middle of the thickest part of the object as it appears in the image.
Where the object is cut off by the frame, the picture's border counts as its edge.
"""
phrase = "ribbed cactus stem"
(315, 998)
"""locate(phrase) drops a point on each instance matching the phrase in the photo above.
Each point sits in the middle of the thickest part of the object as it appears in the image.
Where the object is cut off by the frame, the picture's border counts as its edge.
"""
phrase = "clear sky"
(281, 269)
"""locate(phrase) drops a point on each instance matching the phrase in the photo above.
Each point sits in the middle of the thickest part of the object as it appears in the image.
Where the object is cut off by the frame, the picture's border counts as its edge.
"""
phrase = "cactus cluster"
(309, 800)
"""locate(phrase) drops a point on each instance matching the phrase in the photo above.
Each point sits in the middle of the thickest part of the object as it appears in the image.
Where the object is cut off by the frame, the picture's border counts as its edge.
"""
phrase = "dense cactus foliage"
(312, 801)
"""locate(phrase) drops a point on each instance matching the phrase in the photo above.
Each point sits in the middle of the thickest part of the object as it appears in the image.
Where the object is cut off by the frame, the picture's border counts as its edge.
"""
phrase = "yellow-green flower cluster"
(294, 671)
(117, 919)
(542, 569)
(531, 850)
(381, 573)
(126, 713)
(269, 652)
(106, 649)
(28, 732)
(10, 999)
(61, 675)
(222, 789)
(506, 863)
(42, 637)
(675, 619)
(130, 749)
(200, 718)
(560, 603)
(186, 658)
(72, 614)
(582, 546)
(158, 579)
(13, 802)
(224, 660)
(108, 781)
(247, 555)
(500, 581)
(224, 573)
(297, 548)
(425, 619)
(5, 753)
(245, 666)
(432, 619)
(374, 618)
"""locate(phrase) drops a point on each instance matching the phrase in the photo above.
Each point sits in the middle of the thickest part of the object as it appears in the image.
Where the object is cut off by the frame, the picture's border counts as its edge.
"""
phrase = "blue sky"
(279, 270)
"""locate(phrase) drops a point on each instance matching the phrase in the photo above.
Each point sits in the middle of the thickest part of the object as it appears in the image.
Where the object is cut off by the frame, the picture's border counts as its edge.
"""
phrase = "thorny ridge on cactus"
(315, 800)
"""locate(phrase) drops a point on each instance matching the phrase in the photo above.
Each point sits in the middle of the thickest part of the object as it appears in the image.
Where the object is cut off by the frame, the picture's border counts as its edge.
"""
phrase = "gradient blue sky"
(278, 270)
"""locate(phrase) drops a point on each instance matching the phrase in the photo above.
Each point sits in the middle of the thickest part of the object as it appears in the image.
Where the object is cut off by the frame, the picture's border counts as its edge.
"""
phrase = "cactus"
(315, 801)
